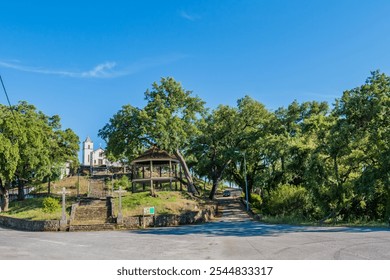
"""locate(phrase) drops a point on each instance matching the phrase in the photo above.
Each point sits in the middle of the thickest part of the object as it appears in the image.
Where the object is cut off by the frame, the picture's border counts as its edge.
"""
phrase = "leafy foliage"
(305, 160)
(167, 121)
(228, 133)
(50, 205)
(288, 200)
(256, 200)
(122, 182)
(32, 147)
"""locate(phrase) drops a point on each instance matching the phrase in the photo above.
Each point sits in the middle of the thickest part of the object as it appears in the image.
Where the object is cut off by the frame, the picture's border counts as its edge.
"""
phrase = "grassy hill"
(166, 202)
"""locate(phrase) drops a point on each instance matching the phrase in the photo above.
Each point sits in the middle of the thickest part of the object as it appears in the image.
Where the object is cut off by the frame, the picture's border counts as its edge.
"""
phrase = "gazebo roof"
(155, 155)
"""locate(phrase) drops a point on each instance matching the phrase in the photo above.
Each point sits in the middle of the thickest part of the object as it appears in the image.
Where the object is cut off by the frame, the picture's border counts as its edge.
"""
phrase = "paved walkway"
(231, 210)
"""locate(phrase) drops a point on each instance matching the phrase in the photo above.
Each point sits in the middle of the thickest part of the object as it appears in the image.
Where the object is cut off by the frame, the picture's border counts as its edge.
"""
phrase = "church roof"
(155, 154)
(88, 139)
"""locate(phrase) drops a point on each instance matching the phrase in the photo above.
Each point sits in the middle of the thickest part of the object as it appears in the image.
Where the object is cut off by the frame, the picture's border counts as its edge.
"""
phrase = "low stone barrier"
(22, 224)
(166, 220)
(134, 222)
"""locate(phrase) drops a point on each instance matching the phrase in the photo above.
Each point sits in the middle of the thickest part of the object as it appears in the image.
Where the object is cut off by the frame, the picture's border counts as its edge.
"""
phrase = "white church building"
(93, 157)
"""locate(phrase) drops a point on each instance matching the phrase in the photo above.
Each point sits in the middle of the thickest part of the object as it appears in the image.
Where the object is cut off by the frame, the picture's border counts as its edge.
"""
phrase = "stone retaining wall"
(21, 224)
(190, 217)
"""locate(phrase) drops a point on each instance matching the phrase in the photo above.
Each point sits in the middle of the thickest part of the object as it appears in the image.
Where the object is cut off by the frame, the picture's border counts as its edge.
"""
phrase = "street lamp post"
(246, 185)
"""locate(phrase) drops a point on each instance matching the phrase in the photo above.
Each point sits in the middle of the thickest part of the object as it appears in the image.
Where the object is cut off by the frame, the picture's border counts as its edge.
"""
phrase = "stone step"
(91, 213)
(94, 202)
(92, 227)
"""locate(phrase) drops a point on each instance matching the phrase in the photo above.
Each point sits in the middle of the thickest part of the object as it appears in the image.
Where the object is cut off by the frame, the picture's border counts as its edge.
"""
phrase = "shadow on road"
(234, 221)
(250, 228)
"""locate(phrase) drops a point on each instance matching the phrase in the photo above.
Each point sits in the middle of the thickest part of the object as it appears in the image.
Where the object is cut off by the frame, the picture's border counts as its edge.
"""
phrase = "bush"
(288, 200)
(123, 182)
(256, 201)
(50, 205)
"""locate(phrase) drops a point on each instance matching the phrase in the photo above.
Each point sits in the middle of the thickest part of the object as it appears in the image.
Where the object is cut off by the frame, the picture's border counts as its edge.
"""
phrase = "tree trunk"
(190, 187)
(336, 170)
(21, 195)
(4, 197)
(249, 180)
(217, 178)
(2, 191)
(216, 181)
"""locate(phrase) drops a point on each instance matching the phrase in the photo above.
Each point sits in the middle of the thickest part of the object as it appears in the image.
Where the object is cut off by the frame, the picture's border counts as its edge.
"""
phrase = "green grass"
(290, 220)
(166, 202)
(32, 209)
(357, 223)
(293, 220)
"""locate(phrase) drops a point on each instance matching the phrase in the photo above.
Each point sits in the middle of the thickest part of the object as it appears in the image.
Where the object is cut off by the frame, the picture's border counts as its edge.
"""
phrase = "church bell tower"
(87, 152)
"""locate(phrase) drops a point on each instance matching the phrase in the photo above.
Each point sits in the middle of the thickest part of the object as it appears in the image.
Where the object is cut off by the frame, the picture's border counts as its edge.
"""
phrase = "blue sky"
(83, 60)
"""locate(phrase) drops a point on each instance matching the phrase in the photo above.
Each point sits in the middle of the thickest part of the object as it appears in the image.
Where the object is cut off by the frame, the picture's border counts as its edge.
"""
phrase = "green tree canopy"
(228, 133)
(32, 144)
(167, 121)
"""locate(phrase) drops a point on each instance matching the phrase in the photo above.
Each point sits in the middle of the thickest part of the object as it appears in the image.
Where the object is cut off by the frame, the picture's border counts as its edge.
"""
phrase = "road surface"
(233, 236)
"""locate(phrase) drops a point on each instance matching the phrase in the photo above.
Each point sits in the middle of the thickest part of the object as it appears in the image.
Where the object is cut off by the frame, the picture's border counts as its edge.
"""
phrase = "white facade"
(91, 156)
(99, 158)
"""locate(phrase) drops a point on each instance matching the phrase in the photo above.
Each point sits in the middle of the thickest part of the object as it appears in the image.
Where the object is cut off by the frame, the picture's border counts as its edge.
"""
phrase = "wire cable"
(9, 103)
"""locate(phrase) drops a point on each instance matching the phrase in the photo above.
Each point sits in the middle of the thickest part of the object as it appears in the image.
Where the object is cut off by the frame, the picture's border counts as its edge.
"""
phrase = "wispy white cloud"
(190, 17)
(102, 70)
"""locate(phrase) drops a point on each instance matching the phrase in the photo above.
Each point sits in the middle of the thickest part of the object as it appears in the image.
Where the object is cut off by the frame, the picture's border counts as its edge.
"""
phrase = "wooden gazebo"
(154, 168)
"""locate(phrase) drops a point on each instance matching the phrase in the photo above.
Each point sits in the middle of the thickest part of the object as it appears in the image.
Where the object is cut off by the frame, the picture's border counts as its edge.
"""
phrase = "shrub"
(256, 201)
(123, 182)
(50, 205)
(289, 200)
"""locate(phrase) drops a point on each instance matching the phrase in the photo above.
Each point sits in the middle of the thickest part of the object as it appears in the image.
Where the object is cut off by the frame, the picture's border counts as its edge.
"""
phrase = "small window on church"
(88, 148)
(88, 158)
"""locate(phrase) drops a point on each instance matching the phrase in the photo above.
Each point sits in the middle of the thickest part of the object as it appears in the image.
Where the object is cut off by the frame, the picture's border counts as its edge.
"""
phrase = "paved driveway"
(233, 236)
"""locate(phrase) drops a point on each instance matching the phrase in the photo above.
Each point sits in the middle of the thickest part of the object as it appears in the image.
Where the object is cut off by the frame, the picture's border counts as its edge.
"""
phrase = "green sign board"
(149, 211)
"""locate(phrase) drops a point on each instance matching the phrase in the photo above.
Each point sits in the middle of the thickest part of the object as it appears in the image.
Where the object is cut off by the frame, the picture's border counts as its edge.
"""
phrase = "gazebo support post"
(176, 177)
(181, 178)
(170, 175)
(151, 179)
(161, 176)
(143, 177)
(133, 176)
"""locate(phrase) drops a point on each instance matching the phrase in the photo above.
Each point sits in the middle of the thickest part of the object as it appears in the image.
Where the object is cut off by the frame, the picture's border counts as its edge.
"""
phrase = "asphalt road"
(233, 236)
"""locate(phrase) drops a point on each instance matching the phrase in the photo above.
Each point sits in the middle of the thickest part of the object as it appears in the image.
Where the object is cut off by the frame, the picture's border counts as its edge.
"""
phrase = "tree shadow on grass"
(25, 205)
(251, 228)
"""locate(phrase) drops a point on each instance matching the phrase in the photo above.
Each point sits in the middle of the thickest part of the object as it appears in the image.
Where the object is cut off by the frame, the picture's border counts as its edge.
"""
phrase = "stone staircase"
(91, 214)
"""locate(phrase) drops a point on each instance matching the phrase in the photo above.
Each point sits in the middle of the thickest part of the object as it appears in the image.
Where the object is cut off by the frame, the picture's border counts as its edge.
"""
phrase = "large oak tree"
(32, 145)
(167, 121)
